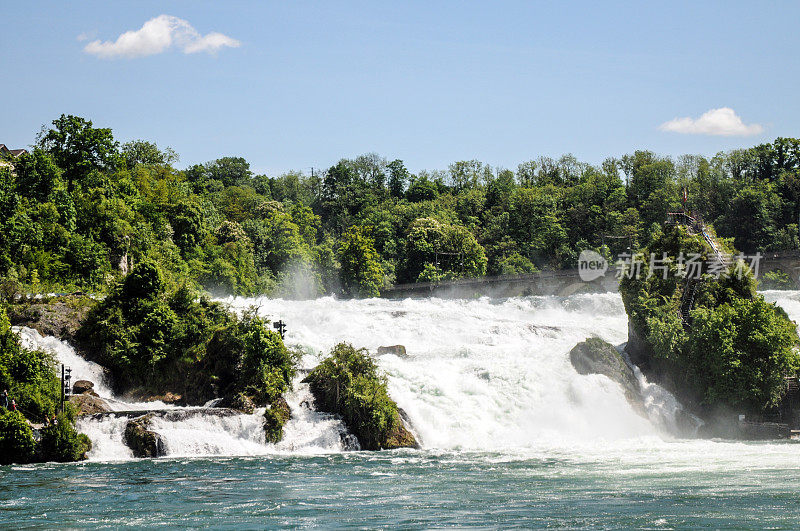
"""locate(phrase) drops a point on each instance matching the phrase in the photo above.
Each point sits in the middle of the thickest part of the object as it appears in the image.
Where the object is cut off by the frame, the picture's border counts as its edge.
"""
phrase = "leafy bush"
(62, 442)
(246, 357)
(28, 375)
(16, 438)
(275, 417)
(777, 279)
(741, 351)
(348, 383)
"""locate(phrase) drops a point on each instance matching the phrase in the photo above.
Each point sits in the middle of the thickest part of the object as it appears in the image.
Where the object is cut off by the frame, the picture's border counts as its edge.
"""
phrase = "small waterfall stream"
(308, 431)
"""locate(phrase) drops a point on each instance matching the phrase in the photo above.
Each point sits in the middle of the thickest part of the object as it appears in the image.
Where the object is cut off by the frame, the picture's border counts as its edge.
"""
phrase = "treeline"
(81, 209)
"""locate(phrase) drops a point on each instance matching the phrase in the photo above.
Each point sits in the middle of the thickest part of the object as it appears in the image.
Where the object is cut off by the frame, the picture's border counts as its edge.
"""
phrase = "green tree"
(79, 148)
(361, 273)
(144, 152)
(398, 178)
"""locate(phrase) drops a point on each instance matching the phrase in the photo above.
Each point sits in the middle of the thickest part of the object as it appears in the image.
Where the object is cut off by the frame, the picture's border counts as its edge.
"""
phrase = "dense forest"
(81, 209)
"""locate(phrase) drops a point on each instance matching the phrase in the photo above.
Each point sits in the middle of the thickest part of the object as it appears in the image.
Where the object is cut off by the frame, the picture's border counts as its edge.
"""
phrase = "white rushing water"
(478, 375)
(64, 353)
(197, 435)
(483, 374)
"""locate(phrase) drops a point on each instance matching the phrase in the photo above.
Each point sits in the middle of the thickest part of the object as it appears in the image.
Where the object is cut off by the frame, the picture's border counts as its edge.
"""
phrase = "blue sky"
(291, 85)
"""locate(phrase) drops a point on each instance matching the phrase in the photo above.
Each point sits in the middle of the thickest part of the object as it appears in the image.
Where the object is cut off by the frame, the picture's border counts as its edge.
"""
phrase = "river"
(511, 436)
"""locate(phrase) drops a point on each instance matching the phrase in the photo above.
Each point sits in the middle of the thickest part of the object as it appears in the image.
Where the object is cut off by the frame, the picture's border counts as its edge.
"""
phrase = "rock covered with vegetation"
(348, 383)
(275, 417)
(713, 341)
(58, 316)
(30, 378)
(154, 338)
(595, 356)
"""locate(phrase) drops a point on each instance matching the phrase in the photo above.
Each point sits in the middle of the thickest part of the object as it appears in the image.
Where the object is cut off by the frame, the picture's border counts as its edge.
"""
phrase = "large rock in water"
(141, 440)
(397, 350)
(595, 356)
(348, 383)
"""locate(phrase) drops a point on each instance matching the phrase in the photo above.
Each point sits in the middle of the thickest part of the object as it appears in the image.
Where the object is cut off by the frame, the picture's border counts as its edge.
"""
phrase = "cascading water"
(485, 374)
(64, 353)
(197, 434)
(479, 375)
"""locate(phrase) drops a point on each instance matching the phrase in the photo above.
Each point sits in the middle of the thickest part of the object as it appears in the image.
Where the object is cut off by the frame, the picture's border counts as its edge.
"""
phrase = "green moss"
(275, 417)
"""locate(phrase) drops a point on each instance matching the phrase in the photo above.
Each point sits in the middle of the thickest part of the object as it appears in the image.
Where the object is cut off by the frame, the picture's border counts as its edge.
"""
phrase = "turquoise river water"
(511, 436)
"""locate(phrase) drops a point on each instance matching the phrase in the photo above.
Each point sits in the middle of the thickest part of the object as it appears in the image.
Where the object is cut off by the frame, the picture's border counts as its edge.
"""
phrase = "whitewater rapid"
(484, 374)
(479, 375)
(307, 432)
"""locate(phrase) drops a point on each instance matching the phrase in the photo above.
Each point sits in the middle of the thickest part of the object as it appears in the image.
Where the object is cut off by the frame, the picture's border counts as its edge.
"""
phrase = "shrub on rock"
(349, 384)
(62, 442)
(275, 417)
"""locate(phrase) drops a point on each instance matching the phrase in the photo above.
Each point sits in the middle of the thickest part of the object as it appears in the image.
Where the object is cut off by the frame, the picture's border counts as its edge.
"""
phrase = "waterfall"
(485, 374)
(64, 353)
(308, 431)
(479, 374)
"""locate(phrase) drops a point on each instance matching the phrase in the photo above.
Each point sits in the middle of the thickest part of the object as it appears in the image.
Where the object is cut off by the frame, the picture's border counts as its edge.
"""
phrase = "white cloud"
(156, 36)
(210, 43)
(720, 122)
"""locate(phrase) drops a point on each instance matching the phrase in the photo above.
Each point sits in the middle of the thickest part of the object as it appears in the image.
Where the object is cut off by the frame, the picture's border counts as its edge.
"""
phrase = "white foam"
(482, 374)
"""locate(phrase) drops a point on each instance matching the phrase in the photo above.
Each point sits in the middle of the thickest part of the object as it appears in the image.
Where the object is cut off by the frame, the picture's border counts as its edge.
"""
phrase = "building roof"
(14, 152)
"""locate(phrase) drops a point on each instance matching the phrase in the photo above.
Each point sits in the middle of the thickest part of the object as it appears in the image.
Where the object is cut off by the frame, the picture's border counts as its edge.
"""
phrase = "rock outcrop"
(276, 415)
(349, 384)
(60, 316)
(88, 404)
(595, 356)
(141, 440)
(240, 402)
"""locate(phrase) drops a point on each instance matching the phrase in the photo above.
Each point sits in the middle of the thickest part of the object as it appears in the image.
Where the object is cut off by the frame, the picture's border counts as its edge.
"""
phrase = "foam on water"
(308, 431)
(484, 374)
(480, 375)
